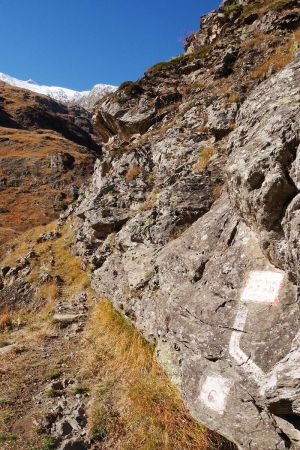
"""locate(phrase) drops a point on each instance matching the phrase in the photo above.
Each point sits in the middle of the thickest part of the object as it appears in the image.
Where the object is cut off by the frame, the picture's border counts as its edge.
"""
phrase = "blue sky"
(78, 43)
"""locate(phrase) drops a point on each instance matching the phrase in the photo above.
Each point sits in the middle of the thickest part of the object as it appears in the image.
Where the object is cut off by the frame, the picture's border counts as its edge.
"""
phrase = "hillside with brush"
(47, 151)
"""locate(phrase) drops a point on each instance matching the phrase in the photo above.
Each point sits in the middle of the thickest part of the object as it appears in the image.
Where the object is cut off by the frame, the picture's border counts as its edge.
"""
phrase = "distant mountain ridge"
(86, 99)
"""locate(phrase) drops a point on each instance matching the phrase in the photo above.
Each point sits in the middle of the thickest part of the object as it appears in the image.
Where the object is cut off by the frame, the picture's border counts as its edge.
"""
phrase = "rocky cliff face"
(191, 221)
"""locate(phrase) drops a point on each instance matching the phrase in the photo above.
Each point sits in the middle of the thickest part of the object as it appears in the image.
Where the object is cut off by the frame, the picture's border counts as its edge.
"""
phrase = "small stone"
(66, 318)
(63, 428)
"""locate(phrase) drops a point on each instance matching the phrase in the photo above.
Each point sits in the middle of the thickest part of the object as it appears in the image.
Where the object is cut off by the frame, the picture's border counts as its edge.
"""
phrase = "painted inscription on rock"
(214, 392)
(262, 286)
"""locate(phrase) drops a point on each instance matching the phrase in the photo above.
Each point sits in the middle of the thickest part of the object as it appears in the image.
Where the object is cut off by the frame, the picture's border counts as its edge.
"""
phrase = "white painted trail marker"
(262, 287)
(234, 345)
(214, 392)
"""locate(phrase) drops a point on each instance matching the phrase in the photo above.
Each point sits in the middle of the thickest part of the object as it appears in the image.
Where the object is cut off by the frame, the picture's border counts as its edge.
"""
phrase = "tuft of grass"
(8, 437)
(135, 405)
(80, 390)
(6, 319)
(233, 97)
(217, 191)
(48, 442)
(204, 157)
(225, 88)
(281, 58)
(130, 86)
(260, 7)
(132, 173)
(4, 400)
(230, 8)
(126, 84)
(166, 65)
(48, 290)
(53, 374)
(103, 421)
(180, 230)
(178, 60)
(257, 39)
(201, 52)
(297, 36)
(52, 393)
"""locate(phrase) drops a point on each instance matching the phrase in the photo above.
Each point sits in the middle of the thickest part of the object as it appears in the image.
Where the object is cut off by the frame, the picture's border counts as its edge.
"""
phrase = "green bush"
(164, 65)
(48, 442)
(7, 437)
(53, 374)
(51, 393)
(230, 8)
(102, 422)
(80, 390)
(172, 63)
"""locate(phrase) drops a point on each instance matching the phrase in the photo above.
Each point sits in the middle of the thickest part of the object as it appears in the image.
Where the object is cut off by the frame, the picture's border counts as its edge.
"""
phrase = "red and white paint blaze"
(263, 286)
(214, 392)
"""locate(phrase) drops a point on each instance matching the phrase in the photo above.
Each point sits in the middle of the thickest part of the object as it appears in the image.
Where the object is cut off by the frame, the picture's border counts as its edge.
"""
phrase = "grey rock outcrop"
(233, 16)
(114, 118)
(191, 226)
(263, 174)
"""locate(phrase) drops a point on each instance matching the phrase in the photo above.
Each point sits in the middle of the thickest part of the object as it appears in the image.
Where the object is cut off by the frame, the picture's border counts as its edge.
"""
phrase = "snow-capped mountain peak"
(61, 94)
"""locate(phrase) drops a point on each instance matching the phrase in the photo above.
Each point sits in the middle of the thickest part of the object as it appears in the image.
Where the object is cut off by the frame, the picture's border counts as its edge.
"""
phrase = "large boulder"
(263, 171)
(218, 297)
(115, 118)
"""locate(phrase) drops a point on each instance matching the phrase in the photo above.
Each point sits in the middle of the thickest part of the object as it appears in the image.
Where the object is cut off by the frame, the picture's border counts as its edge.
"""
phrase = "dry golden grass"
(204, 157)
(217, 191)
(143, 206)
(257, 40)
(4, 339)
(24, 242)
(63, 264)
(6, 319)
(280, 59)
(223, 88)
(34, 324)
(135, 406)
(49, 291)
(297, 36)
(148, 203)
(53, 257)
(233, 97)
(260, 7)
(132, 173)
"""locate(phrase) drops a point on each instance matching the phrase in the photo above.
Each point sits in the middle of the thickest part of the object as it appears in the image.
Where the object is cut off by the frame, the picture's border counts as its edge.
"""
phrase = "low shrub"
(260, 7)
(233, 7)
(126, 84)
(6, 319)
(204, 157)
(80, 390)
(7, 437)
(52, 393)
(132, 173)
(281, 58)
(172, 63)
(53, 374)
(48, 442)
